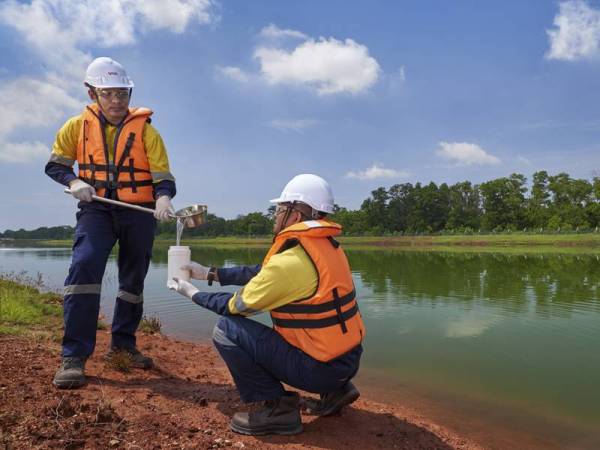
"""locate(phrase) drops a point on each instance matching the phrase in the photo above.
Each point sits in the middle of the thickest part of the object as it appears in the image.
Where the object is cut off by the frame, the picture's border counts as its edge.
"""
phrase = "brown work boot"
(332, 402)
(279, 416)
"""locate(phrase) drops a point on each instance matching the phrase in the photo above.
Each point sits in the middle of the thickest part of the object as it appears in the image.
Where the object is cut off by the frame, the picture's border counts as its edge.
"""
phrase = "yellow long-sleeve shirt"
(287, 277)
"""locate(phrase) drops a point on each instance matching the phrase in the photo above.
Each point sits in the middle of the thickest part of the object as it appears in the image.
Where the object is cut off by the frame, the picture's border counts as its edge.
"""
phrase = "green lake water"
(511, 338)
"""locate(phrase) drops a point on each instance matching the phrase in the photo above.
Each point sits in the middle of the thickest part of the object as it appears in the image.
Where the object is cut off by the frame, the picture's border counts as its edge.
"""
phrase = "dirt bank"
(185, 403)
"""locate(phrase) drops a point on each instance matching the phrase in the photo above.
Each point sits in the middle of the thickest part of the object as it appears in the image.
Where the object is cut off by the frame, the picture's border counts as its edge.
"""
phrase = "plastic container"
(178, 255)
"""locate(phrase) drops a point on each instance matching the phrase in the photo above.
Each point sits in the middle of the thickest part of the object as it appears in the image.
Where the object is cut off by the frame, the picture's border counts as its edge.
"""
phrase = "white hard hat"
(310, 189)
(105, 72)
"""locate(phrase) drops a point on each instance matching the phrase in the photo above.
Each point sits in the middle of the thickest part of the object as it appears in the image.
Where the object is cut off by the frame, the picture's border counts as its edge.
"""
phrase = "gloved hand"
(197, 271)
(81, 190)
(164, 208)
(183, 287)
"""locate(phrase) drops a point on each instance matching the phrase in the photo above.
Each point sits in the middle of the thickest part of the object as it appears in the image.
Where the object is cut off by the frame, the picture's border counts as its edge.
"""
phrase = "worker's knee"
(220, 333)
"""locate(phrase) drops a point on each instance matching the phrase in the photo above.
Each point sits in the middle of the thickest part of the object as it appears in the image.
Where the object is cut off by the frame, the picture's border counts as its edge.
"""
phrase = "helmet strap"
(288, 212)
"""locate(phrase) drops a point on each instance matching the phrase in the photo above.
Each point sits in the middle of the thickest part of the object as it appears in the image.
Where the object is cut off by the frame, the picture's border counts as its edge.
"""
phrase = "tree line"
(550, 203)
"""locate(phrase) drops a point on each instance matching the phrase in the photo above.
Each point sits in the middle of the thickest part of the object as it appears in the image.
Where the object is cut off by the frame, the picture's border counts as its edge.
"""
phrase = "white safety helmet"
(310, 189)
(105, 72)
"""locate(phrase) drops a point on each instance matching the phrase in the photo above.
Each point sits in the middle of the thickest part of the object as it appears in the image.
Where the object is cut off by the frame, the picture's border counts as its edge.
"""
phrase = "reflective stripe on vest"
(326, 324)
(127, 177)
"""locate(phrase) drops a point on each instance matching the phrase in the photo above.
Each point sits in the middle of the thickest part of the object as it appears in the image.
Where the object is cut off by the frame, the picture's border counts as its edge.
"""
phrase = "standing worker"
(120, 156)
(306, 284)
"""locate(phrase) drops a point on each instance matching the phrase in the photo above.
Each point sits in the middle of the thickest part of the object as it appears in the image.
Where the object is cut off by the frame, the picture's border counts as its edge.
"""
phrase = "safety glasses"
(110, 94)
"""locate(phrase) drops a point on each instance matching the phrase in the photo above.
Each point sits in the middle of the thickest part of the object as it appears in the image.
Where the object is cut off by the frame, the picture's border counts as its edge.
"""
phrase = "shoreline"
(185, 402)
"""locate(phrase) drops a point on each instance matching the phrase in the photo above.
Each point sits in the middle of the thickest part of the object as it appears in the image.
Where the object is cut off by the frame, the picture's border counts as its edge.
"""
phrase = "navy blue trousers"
(259, 360)
(98, 228)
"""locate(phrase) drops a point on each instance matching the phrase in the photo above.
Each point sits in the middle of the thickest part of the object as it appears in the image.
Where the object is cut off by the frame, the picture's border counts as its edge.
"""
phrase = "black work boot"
(136, 358)
(71, 373)
(332, 402)
(279, 416)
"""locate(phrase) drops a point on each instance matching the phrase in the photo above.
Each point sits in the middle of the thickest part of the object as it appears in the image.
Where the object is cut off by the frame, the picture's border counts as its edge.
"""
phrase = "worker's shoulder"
(71, 127)
(291, 258)
(150, 129)
(74, 121)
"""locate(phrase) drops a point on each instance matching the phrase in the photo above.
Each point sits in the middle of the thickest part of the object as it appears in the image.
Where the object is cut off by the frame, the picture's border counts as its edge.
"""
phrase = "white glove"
(183, 287)
(197, 271)
(164, 208)
(81, 190)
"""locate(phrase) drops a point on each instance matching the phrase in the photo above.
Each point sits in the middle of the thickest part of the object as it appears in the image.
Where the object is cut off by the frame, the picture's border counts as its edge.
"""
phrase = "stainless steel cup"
(195, 215)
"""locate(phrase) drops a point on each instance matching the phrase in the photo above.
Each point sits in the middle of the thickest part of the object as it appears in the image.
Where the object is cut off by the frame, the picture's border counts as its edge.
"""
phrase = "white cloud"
(397, 79)
(401, 74)
(235, 73)
(33, 102)
(577, 33)
(57, 29)
(297, 125)
(272, 31)
(23, 152)
(59, 32)
(523, 160)
(329, 65)
(469, 326)
(174, 14)
(465, 154)
(377, 171)
(30, 103)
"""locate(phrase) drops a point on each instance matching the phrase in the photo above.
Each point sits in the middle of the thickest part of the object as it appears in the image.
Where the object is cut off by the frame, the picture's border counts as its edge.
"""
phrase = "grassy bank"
(497, 241)
(25, 310)
(479, 240)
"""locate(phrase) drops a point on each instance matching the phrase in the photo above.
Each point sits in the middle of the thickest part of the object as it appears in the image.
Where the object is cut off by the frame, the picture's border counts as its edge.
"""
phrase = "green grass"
(119, 360)
(24, 310)
(101, 324)
(150, 325)
(483, 240)
(499, 242)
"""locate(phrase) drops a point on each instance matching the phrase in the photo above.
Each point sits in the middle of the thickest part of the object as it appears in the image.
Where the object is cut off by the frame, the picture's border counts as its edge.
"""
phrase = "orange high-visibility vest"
(127, 176)
(327, 324)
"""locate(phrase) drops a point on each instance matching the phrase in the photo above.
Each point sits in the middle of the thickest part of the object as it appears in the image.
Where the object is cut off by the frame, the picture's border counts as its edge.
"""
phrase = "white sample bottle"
(178, 255)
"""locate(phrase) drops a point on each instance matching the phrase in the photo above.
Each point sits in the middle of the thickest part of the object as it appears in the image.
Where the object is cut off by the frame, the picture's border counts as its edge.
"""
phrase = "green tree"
(570, 197)
(465, 207)
(352, 222)
(538, 205)
(504, 202)
(400, 206)
(375, 209)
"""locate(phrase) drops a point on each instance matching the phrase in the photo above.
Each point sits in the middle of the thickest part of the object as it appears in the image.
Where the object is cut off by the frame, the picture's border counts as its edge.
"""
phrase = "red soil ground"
(184, 403)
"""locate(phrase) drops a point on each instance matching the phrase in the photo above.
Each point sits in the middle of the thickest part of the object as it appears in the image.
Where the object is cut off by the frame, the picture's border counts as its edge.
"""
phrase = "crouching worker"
(306, 284)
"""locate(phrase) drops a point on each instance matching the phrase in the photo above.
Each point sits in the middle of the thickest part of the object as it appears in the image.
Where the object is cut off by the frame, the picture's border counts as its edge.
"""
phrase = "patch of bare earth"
(184, 403)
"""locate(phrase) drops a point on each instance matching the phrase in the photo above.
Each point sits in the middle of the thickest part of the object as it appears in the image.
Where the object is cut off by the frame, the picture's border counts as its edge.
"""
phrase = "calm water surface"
(504, 335)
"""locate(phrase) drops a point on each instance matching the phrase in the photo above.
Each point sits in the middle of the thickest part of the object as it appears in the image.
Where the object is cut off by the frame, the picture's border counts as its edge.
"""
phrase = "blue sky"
(247, 94)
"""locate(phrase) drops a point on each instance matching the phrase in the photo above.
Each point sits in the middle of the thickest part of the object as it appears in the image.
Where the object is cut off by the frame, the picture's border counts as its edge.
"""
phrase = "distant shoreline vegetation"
(552, 204)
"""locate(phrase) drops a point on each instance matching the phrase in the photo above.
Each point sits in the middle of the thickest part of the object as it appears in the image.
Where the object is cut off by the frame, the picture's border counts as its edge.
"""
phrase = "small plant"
(150, 325)
(101, 324)
(119, 360)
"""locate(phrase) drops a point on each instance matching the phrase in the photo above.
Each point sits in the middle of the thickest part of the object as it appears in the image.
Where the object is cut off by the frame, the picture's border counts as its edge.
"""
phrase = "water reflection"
(552, 284)
(214, 256)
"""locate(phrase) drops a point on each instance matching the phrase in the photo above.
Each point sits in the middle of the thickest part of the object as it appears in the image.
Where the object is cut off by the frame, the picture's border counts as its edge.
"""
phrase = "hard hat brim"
(129, 85)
